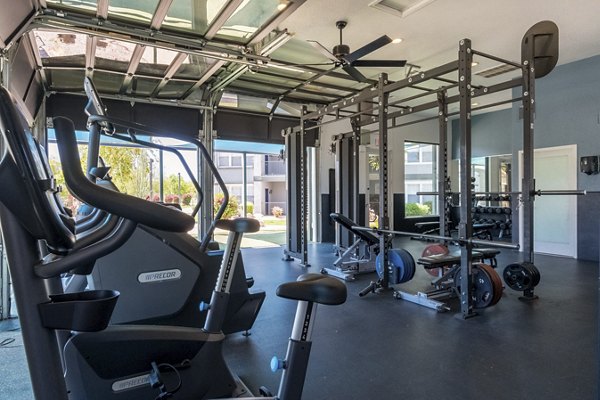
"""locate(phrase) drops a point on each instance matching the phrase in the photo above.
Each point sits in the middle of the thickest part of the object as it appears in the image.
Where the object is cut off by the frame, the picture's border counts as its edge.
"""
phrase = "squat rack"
(539, 56)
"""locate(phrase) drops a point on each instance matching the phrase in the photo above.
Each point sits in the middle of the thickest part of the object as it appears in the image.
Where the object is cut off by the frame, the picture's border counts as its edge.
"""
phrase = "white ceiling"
(431, 35)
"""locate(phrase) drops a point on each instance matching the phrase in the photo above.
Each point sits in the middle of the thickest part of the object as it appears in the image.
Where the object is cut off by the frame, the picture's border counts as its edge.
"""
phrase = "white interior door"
(555, 217)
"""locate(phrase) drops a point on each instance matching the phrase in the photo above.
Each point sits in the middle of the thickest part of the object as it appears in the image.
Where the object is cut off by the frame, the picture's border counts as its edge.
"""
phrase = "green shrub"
(249, 207)
(187, 199)
(232, 207)
(416, 210)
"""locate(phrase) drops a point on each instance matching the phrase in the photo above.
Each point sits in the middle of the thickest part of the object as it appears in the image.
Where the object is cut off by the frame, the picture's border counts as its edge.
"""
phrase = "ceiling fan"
(341, 55)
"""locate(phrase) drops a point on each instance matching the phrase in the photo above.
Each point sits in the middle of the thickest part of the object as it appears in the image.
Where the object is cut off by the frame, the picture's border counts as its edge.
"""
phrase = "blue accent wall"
(567, 112)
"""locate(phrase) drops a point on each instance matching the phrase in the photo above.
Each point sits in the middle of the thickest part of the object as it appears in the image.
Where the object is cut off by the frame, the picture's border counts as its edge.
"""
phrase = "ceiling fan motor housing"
(341, 50)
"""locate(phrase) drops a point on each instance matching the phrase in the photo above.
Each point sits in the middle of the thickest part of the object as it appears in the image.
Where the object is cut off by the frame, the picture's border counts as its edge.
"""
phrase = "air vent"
(497, 70)
(401, 8)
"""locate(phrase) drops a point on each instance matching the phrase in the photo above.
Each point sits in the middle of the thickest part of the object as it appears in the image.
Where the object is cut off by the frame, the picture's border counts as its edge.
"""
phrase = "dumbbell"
(507, 210)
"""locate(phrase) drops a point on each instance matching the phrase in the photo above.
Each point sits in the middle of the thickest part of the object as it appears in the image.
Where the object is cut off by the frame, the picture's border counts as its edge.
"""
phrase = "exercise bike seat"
(315, 288)
(239, 225)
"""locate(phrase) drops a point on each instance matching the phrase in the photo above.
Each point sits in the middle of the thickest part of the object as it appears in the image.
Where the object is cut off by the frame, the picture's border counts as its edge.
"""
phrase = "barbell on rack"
(535, 193)
(460, 241)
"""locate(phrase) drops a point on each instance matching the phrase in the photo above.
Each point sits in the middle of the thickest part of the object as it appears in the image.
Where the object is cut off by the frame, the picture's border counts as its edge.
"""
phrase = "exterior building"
(265, 177)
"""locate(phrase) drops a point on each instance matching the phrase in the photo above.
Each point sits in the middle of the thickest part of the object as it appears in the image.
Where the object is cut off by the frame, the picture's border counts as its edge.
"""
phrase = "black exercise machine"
(153, 265)
(125, 361)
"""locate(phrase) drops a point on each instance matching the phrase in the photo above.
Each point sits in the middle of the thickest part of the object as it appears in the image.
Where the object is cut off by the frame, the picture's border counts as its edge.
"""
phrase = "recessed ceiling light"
(397, 40)
(474, 64)
(474, 104)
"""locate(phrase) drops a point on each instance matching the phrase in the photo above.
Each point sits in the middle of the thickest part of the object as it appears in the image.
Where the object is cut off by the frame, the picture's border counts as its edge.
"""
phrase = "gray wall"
(567, 112)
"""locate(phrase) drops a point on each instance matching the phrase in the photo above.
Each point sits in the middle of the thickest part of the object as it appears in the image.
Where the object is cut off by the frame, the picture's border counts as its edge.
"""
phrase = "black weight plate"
(535, 273)
(518, 277)
(483, 287)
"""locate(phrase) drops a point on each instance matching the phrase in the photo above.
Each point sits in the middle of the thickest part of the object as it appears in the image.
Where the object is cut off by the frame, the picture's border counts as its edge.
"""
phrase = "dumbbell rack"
(501, 217)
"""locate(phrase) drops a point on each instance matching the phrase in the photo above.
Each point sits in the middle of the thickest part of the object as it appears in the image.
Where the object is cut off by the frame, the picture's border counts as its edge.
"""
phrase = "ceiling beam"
(223, 16)
(248, 79)
(129, 33)
(205, 77)
(90, 55)
(135, 99)
(38, 59)
(267, 49)
(160, 13)
(136, 56)
(102, 9)
(171, 70)
(273, 96)
(274, 22)
(298, 79)
(236, 73)
(215, 50)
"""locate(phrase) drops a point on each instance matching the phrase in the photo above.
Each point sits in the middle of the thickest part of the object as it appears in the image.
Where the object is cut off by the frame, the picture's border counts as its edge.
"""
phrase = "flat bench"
(448, 260)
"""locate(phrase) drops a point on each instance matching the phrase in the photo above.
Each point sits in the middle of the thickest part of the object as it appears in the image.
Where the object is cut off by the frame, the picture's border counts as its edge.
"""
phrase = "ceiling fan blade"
(379, 63)
(353, 72)
(323, 50)
(368, 48)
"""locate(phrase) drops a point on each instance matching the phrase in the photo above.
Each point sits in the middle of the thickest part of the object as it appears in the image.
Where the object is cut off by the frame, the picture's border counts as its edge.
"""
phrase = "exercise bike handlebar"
(132, 138)
(129, 207)
(134, 127)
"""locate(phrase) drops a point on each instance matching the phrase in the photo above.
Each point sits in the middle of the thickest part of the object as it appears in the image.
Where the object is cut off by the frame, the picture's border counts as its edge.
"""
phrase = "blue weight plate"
(409, 265)
(398, 266)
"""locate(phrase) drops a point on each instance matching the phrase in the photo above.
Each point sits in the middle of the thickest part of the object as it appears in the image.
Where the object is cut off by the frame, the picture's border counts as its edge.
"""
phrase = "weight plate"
(535, 273)
(483, 294)
(395, 262)
(409, 265)
(434, 250)
(496, 281)
(518, 277)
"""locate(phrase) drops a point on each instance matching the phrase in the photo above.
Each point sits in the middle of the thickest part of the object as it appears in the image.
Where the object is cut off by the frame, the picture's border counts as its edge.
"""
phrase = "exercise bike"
(153, 264)
(123, 361)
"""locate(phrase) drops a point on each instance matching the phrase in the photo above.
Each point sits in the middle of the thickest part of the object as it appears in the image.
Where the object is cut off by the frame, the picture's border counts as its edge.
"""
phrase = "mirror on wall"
(491, 173)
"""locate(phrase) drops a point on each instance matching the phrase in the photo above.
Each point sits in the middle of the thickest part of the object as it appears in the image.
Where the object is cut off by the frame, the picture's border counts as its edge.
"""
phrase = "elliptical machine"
(124, 361)
(153, 265)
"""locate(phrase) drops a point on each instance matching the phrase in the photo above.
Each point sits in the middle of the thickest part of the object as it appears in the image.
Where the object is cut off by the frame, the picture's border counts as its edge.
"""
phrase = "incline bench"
(358, 258)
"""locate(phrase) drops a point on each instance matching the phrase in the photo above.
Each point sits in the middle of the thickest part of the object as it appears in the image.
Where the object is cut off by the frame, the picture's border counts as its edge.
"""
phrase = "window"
(236, 161)
(231, 160)
(420, 171)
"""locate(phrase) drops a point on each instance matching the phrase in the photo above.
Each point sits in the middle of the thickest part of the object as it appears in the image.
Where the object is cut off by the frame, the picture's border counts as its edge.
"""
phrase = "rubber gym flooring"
(381, 348)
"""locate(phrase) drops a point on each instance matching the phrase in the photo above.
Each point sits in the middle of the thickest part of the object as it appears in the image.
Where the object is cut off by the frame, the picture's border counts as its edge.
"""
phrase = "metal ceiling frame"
(90, 55)
(102, 9)
(248, 79)
(253, 56)
(171, 70)
(160, 14)
(220, 20)
(136, 57)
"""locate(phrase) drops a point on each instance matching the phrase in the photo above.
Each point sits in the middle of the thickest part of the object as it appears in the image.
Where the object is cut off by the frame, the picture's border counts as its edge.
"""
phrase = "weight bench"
(359, 258)
(443, 285)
